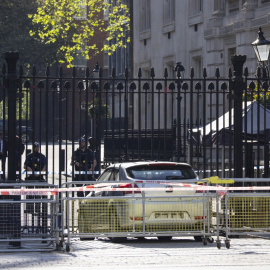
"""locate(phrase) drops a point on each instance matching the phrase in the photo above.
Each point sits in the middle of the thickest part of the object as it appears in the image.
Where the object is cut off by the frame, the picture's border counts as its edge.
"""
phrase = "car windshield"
(158, 172)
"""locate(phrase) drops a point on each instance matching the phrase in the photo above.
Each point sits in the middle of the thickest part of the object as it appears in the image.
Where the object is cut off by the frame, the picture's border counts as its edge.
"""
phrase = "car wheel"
(164, 238)
(118, 239)
(87, 238)
(114, 223)
(82, 229)
(114, 227)
(81, 223)
(198, 238)
(140, 238)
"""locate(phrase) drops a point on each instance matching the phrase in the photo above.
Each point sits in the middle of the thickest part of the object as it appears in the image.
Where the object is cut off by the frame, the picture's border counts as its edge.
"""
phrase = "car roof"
(126, 165)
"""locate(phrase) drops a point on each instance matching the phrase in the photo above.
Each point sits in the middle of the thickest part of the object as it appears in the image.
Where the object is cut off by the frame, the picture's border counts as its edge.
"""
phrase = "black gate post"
(14, 212)
(11, 59)
(238, 85)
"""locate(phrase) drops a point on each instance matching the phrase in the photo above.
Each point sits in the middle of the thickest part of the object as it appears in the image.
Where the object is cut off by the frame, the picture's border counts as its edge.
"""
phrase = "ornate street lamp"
(180, 72)
(261, 47)
(95, 73)
(179, 68)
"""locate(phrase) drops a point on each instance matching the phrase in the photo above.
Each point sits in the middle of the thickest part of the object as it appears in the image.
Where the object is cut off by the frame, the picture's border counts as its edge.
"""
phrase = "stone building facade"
(198, 33)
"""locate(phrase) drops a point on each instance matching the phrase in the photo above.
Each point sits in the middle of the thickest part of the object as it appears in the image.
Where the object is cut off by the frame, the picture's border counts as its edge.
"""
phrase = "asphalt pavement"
(179, 253)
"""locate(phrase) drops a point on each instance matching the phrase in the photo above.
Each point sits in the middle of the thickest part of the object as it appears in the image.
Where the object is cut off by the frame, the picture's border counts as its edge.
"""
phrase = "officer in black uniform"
(84, 162)
(35, 162)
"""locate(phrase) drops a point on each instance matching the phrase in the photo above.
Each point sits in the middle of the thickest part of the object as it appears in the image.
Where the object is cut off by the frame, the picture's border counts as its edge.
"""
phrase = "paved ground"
(180, 253)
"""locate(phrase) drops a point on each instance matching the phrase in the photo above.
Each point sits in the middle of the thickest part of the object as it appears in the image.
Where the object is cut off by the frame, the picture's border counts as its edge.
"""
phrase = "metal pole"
(11, 59)
(238, 85)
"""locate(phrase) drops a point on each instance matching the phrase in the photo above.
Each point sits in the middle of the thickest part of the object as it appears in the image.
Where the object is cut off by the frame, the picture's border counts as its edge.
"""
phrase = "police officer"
(84, 162)
(3, 153)
(19, 149)
(35, 162)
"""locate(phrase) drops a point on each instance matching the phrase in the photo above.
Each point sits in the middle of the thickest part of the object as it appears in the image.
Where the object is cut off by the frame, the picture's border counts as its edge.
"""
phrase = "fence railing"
(31, 216)
(29, 219)
(212, 123)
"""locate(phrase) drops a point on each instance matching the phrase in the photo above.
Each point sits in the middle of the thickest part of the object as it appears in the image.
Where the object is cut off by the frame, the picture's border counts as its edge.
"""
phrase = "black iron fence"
(218, 125)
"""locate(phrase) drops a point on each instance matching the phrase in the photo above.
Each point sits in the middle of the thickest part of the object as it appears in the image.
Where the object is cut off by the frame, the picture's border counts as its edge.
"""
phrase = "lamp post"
(261, 48)
(97, 72)
(180, 72)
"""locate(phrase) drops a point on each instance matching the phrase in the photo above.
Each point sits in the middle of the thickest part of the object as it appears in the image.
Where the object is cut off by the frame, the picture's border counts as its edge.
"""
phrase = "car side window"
(106, 175)
(115, 175)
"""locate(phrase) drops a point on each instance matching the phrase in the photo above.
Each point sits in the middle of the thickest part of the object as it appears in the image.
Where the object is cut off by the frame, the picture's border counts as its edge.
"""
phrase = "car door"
(110, 174)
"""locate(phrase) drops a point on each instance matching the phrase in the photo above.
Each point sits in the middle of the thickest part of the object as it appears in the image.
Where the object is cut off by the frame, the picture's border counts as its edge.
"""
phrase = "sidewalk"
(180, 253)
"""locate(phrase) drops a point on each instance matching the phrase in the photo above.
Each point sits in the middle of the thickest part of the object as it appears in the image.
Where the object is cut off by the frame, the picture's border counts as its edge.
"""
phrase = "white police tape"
(57, 173)
(186, 187)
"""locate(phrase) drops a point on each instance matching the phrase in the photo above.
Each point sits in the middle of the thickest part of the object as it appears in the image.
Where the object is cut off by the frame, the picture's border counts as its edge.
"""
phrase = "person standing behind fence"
(19, 151)
(3, 154)
(36, 164)
(84, 162)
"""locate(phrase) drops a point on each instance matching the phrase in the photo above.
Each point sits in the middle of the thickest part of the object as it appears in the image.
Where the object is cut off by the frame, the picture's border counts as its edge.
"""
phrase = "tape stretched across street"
(189, 187)
(70, 172)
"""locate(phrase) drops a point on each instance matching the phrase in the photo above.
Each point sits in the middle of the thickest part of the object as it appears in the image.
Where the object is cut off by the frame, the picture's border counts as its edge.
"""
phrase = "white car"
(150, 210)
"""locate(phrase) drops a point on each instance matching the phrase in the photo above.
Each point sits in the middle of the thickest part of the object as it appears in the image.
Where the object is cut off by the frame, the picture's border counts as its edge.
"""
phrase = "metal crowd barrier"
(242, 209)
(28, 217)
(31, 217)
(119, 217)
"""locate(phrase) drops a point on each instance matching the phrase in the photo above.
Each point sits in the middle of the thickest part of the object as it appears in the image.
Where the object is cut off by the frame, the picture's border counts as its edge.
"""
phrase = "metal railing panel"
(137, 216)
(28, 220)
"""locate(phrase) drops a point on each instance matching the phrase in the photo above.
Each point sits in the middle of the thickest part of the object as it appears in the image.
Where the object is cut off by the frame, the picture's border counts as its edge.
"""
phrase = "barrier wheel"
(204, 241)
(227, 244)
(67, 248)
(218, 245)
(210, 240)
(165, 238)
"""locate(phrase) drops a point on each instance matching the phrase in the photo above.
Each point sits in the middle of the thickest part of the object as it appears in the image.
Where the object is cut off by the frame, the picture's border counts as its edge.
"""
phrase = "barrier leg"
(218, 221)
(227, 241)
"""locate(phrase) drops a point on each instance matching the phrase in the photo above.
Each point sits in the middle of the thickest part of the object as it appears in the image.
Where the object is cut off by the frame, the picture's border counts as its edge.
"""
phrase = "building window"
(82, 10)
(145, 15)
(233, 5)
(106, 11)
(106, 56)
(198, 67)
(196, 6)
(79, 59)
(169, 11)
(265, 1)
(231, 51)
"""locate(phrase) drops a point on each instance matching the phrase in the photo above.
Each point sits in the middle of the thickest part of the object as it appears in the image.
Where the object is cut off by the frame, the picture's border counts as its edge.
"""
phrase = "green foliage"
(23, 113)
(14, 32)
(261, 95)
(118, 27)
(71, 24)
(94, 109)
